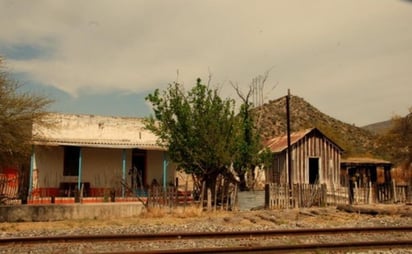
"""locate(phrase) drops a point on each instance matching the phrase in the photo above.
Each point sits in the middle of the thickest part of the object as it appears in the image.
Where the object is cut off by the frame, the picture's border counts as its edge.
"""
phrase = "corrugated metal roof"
(279, 144)
(95, 131)
(365, 161)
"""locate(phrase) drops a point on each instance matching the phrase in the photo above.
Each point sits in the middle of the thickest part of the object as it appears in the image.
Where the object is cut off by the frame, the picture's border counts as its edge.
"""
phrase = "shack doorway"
(313, 170)
(138, 170)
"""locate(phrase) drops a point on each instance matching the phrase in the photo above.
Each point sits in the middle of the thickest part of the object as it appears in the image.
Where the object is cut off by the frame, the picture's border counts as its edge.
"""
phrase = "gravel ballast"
(193, 220)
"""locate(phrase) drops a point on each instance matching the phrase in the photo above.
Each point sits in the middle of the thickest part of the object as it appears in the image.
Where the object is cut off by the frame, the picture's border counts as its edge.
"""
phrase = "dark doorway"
(373, 174)
(313, 170)
(138, 170)
(71, 161)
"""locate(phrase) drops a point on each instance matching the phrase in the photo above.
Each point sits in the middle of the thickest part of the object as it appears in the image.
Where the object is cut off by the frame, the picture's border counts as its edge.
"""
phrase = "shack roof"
(279, 144)
(364, 161)
(94, 131)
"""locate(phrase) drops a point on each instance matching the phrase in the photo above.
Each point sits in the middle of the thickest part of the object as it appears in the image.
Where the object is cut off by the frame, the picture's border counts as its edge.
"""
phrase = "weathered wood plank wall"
(311, 146)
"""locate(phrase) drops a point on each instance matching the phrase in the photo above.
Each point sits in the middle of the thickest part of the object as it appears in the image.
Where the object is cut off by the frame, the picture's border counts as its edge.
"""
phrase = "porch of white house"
(98, 174)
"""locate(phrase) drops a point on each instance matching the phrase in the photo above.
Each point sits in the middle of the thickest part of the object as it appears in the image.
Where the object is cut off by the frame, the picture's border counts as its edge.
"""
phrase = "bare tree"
(249, 141)
(18, 111)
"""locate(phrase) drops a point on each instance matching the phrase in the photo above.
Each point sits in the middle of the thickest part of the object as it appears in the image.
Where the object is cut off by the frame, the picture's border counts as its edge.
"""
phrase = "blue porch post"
(79, 179)
(123, 170)
(164, 169)
(32, 158)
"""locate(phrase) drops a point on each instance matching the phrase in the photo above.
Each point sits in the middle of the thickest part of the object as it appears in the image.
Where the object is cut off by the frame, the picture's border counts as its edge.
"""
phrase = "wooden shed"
(365, 170)
(373, 175)
(315, 159)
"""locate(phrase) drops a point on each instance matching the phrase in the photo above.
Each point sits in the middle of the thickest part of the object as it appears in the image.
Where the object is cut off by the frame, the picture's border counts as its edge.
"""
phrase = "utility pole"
(289, 145)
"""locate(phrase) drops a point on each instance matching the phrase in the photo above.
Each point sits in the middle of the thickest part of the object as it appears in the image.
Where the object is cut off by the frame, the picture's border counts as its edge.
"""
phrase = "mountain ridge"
(379, 127)
(271, 118)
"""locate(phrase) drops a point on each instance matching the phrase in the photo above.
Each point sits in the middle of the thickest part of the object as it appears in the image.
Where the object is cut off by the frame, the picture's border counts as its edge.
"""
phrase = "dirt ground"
(193, 219)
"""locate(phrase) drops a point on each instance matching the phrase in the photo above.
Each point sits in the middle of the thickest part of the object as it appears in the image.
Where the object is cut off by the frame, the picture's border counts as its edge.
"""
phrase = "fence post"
(223, 190)
(379, 193)
(409, 192)
(228, 197)
(185, 197)
(215, 197)
(202, 194)
(267, 196)
(369, 192)
(393, 188)
(324, 195)
(209, 199)
(356, 192)
(149, 194)
(175, 197)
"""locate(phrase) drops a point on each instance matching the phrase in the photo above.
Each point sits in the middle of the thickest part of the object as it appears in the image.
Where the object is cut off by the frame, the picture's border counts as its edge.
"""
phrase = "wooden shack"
(315, 159)
(373, 175)
(365, 170)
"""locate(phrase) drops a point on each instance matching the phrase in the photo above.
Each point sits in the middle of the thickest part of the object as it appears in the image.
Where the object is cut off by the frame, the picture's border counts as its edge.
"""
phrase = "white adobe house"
(95, 153)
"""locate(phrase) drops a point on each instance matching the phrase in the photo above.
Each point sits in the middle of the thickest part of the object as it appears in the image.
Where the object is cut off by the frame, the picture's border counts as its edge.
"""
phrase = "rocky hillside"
(272, 119)
(379, 128)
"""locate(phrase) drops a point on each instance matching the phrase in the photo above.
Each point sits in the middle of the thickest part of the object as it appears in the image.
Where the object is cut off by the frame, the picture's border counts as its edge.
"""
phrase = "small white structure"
(96, 154)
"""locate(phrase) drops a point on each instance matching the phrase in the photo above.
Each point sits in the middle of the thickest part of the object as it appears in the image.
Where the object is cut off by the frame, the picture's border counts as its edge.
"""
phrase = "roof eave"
(153, 147)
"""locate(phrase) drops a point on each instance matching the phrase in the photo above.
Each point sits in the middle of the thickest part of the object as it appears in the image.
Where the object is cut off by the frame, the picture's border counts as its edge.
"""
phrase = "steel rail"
(200, 235)
(293, 248)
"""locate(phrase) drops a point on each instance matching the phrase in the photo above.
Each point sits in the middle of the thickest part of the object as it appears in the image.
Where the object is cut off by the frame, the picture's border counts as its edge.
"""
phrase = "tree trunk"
(242, 184)
(210, 183)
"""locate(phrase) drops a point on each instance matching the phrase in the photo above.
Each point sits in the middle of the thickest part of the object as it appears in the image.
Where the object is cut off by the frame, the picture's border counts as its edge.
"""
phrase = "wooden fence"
(300, 195)
(224, 198)
(158, 196)
(392, 193)
(9, 188)
(307, 195)
(402, 193)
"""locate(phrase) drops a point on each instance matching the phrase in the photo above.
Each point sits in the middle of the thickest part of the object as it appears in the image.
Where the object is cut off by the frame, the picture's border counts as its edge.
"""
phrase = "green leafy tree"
(198, 128)
(18, 110)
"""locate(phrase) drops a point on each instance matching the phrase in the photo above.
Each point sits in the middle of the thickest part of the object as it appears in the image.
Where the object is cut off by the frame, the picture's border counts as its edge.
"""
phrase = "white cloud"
(329, 52)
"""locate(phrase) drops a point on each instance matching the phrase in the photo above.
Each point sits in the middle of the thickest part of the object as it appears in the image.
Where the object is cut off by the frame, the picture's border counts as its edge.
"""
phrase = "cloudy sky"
(351, 59)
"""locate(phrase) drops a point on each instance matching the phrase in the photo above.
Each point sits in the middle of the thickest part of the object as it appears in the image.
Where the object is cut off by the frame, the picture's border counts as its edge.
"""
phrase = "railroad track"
(291, 240)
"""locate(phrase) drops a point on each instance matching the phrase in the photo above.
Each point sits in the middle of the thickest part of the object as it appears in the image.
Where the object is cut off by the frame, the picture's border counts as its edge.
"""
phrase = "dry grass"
(156, 216)
(180, 215)
(179, 212)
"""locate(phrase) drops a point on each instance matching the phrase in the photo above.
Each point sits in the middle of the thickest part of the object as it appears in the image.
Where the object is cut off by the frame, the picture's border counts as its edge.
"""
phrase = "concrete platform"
(56, 212)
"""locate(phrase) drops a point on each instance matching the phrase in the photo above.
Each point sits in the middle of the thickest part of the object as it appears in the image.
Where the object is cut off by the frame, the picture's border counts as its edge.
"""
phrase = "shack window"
(71, 161)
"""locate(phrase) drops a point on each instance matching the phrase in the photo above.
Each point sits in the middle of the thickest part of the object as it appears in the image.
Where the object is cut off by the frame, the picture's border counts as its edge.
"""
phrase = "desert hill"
(271, 118)
(379, 127)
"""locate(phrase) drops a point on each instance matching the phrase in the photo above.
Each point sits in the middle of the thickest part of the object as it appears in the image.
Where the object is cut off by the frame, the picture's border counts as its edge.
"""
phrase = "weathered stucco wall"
(101, 167)
(155, 168)
(102, 141)
(49, 166)
(56, 212)
(73, 128)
